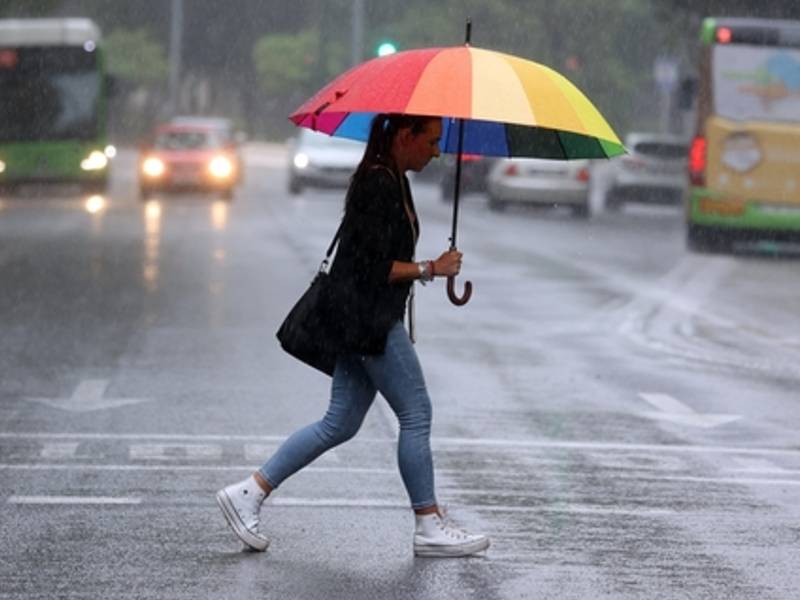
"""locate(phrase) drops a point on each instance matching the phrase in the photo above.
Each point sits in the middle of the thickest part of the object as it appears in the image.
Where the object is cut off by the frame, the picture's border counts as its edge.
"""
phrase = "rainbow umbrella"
(492, 104)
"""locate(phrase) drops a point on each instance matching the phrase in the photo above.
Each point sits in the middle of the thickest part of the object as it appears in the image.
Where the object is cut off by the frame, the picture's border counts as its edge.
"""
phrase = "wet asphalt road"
(618, 415)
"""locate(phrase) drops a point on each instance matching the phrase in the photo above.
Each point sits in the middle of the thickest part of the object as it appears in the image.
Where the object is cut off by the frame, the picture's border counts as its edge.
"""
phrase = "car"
(654, 171)
(540, 182)
(189, 156)
(319, 160)
(474, 170)
(223, 125)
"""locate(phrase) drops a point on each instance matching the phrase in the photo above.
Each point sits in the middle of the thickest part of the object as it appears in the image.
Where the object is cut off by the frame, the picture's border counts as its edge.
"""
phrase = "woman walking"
(374, 270)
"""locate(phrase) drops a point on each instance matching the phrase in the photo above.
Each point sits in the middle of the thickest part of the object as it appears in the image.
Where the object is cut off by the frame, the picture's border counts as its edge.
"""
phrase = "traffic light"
(385, 48)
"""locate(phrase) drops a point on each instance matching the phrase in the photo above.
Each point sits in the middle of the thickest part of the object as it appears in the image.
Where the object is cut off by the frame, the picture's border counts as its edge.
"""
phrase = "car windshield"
(666, 150)
(316, 139)
(186, 140)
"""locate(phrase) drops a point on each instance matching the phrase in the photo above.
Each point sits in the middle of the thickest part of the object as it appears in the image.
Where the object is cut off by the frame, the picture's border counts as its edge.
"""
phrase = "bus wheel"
(706, 239)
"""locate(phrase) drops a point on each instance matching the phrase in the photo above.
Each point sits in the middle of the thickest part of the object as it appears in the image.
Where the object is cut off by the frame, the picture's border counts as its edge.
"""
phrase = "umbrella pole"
(451, 281)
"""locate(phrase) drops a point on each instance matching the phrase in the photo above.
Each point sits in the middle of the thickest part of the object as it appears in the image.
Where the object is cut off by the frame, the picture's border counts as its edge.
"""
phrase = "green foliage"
(26, 8)
(136, 57)
(285, 62)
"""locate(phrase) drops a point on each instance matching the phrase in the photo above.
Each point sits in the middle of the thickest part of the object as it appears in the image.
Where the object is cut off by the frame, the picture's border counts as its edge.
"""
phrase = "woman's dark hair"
(381, 135)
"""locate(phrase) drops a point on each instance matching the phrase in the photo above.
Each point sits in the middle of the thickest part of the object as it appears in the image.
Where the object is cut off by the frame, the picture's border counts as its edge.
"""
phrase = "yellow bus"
(744, 161)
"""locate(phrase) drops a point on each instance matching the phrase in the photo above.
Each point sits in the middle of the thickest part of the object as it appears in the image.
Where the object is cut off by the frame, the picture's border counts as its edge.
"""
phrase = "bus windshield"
(756, 83)
(48, 93)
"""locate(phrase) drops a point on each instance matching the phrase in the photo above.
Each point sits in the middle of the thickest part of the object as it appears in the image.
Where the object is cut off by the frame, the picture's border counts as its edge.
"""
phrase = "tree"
(136, 57)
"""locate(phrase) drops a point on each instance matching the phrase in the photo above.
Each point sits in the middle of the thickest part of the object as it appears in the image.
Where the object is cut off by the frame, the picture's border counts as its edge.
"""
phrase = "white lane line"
(59, 450)
(191, 468)
(673, 410)
(441, 442)
(391, 471)
(175, 452)
(57, 500)
(759, 466)
(360, 503)
(338, 502)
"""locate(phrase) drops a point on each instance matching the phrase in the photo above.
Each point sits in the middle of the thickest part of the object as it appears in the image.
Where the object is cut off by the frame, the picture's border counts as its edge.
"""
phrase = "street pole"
(175, 35)
(358, 32)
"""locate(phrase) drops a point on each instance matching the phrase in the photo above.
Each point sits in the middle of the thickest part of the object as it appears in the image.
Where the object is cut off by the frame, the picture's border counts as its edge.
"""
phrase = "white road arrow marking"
(88, 396)
(675, 411)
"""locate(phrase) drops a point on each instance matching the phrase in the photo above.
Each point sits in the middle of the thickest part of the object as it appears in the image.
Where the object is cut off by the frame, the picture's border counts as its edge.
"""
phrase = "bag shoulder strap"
(334, 241)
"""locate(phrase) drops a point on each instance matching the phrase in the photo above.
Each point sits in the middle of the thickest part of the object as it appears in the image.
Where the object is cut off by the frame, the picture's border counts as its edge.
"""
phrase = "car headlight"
(220, 167)
(301, 160)
(96, 161)
(110, 151)
(153, 167)
(2, 166)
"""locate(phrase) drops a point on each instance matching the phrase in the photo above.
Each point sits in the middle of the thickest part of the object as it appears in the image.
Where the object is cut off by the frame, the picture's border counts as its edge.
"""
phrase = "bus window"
(756, 83)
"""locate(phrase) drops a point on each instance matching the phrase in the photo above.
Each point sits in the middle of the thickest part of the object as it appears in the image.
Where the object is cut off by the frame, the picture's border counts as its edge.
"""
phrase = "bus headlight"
(153, 167)
(741, 152)
(96, 161)
(220, 167)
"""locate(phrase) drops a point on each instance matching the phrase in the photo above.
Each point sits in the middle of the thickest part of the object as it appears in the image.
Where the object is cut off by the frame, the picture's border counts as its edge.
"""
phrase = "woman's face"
(416, 150)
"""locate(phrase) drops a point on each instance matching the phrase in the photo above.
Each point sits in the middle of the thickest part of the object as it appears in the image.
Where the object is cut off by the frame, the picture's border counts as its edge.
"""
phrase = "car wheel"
(295, 187)
(496, 204)
(447, 189)
(580, 211)
(613, 201)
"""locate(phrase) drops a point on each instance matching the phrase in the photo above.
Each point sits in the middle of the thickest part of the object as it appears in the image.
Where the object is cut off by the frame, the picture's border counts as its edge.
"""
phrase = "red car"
(189, 157)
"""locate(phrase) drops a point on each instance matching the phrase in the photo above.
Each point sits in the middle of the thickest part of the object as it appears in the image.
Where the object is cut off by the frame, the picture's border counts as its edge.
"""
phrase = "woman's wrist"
(426, 271)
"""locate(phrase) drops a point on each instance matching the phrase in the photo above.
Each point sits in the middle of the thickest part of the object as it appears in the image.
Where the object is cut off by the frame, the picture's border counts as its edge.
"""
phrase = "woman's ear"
(404, 135)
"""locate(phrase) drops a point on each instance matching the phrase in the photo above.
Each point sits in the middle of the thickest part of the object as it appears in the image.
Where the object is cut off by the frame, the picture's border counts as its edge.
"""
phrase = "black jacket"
(376, 232)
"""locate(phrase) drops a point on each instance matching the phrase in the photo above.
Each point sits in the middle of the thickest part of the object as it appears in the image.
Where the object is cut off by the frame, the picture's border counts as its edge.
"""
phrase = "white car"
(654, 171)
(541, 182)
(319, 160)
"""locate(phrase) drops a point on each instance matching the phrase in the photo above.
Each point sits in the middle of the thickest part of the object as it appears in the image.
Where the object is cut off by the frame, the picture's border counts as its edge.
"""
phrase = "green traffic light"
(386, 48)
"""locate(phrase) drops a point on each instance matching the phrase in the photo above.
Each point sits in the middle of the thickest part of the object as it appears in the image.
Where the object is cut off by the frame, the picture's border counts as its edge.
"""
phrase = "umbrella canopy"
(509, 106)
(492, 104)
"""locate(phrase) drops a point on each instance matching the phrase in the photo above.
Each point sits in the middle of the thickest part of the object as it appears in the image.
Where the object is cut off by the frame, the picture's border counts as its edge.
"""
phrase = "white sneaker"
(240, 503)
(435, 538)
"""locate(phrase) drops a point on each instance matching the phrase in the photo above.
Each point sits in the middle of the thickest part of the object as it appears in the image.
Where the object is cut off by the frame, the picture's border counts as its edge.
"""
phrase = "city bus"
(744, 161)
(53, 104)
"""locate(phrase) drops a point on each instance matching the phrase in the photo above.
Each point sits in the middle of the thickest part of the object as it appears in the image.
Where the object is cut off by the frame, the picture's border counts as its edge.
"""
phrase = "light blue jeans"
(397, 375)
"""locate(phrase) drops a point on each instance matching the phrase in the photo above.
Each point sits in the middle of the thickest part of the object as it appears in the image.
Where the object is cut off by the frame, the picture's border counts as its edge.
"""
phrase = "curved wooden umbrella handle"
(451, 291)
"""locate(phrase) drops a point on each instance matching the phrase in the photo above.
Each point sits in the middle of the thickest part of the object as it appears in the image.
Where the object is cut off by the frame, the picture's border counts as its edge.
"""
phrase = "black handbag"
(309, 331)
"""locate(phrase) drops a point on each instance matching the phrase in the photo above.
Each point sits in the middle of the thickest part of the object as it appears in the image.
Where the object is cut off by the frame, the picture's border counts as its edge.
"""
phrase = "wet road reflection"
(152, 243)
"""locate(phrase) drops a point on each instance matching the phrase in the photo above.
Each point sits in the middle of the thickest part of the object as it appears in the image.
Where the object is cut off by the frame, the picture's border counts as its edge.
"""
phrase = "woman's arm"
(447, 265)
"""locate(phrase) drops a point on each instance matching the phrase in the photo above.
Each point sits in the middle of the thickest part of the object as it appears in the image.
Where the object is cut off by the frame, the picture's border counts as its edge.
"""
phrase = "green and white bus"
(53, 104)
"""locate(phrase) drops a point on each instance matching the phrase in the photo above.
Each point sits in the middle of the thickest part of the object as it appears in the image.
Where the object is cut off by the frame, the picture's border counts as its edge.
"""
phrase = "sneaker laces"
(448, 527)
